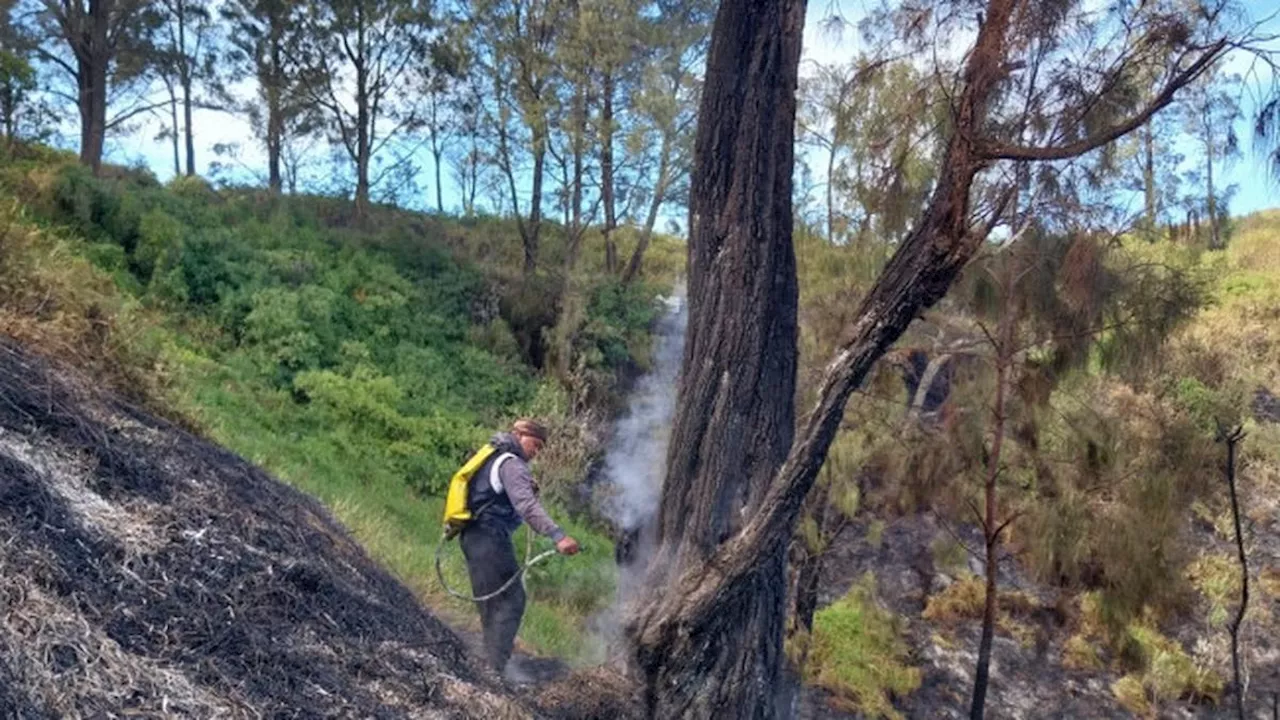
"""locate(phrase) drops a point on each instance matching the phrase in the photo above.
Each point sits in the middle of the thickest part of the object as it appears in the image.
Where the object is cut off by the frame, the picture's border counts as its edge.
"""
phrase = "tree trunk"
(530, 236)
(275, 141)
(707, 639)
(991, 526)
(655, 204)
(363, 144)
(437, 156)
(606, 172)
(173, 114)
(92, 58)
(364, 119)
(187, 61)
(188, 129)
(1232, 440)
(735, 412)
(275, 110)
(1149, 177)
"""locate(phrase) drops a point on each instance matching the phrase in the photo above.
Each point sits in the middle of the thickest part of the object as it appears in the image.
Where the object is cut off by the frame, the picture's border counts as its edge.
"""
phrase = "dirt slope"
(144, 571)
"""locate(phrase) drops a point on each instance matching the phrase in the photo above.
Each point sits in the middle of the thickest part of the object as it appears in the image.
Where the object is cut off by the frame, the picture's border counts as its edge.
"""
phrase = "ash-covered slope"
(144, 569)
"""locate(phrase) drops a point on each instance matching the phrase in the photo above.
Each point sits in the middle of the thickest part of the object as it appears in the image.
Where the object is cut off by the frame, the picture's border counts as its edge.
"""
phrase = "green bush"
(858, 653)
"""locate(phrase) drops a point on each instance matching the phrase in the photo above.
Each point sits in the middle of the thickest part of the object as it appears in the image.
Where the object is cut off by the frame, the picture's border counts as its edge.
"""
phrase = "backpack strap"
(495, 480)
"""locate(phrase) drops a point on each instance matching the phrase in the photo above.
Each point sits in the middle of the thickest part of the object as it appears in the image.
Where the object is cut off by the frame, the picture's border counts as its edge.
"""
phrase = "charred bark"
(1232, 439)
(709, 644)
(735, 414)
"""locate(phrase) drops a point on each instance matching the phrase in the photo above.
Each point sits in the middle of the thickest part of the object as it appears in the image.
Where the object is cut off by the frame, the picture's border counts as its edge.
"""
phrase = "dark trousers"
(491, 561)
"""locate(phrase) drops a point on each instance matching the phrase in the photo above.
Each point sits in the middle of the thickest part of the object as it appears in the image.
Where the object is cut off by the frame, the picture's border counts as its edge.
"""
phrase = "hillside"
(1118, 578)
(147, 571)
(359, 363)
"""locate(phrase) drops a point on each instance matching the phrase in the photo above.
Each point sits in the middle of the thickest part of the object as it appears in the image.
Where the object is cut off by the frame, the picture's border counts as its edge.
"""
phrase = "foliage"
(1079, 654)
(858, 653)
(1217, 578)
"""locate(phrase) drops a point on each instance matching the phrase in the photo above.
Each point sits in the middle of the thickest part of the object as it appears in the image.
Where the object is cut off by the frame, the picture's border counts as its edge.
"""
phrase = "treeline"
(874, 126)
(581, 110)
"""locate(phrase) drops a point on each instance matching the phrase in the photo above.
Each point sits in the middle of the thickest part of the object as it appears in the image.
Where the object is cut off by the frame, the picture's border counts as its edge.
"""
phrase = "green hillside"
(358, 362)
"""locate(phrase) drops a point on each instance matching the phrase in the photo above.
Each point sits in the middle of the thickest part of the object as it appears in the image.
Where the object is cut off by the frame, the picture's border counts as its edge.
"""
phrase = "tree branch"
(995, 150)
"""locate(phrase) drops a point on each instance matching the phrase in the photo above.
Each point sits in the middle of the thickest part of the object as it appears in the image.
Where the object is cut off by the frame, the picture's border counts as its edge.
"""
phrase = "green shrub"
(858, 653)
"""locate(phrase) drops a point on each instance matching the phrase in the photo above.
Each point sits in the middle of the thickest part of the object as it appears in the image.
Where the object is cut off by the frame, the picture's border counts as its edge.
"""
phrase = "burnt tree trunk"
(735, 414)
(991, 526)
(1233, 439)
(708, 638)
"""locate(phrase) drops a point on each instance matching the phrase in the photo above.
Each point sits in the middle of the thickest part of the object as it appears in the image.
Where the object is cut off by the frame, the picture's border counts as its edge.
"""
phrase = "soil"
(1028, 679)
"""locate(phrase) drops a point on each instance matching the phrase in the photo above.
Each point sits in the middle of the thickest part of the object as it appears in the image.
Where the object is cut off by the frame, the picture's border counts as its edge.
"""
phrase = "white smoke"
(635, 462)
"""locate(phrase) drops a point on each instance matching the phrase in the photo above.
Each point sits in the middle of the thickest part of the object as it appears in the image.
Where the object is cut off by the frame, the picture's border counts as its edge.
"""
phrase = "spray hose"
(530, 561)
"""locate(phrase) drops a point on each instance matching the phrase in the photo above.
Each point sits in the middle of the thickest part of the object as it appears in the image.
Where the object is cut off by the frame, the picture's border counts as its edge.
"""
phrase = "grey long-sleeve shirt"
(518, 483)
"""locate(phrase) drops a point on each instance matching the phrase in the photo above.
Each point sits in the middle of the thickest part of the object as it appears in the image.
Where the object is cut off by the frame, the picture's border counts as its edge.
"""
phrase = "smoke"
(636, 458)
(635, 461)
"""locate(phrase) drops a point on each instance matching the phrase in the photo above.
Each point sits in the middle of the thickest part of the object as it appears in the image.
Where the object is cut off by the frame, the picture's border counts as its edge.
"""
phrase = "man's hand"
(567, 546)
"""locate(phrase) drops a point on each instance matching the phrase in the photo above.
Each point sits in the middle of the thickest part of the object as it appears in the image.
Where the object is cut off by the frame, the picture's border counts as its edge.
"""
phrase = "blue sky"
(1255, 189)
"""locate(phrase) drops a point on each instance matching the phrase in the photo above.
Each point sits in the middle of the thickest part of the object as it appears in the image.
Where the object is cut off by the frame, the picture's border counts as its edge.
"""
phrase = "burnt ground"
(147, 572)
(1028, 680)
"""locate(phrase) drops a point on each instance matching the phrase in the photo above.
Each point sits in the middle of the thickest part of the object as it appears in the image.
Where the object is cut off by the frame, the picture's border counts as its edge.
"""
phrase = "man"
(502, 494)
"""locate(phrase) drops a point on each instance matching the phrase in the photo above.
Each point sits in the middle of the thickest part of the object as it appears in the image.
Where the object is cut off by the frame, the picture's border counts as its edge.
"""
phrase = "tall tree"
(264, 36)
(1212, 111)
(21, 112)
(707, 638)
(518, 39)
(185, 57)
(101, 45)
(665, 107)
(358, 67)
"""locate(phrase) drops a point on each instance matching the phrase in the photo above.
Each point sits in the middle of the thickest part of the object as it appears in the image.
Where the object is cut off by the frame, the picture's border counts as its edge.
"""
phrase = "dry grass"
(1132, 696)
(55, 302)
(965, 599)
(1079, 654)
(1217, 578)
(598, 693)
